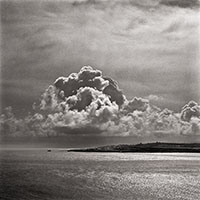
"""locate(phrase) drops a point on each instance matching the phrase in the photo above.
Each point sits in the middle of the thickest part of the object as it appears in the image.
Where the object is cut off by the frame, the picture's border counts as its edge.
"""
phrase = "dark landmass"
(146, 148)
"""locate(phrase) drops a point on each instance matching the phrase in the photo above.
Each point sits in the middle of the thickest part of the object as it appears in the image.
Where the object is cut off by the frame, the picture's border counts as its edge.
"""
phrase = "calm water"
(38, 174)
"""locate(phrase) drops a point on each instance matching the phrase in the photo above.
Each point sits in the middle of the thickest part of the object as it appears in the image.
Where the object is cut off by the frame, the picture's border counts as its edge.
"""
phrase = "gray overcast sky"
(151, 47)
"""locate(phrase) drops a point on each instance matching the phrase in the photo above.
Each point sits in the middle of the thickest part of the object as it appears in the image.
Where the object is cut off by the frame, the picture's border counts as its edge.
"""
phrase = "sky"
(100, 71)
(151, 48)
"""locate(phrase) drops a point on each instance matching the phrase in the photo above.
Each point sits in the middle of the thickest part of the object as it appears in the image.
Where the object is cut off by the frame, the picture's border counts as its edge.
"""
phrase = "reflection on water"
(38, 174)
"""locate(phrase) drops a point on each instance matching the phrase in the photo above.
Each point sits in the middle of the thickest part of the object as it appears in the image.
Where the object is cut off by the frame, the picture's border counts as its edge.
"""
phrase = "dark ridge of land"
(145, 148)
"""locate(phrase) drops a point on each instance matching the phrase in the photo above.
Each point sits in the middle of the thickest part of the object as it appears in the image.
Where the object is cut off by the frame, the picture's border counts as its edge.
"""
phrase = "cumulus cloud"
(136, 104)
(89, 77)
(192, 109)
(89, 103)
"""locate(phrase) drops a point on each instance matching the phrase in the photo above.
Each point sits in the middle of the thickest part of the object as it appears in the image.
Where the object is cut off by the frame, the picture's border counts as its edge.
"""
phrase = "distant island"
(157, 147)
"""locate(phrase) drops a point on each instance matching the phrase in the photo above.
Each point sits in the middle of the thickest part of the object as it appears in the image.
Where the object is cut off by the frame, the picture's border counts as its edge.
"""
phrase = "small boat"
(49, 150)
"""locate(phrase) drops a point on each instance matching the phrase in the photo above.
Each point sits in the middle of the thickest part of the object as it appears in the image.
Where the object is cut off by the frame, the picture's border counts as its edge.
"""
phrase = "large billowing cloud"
(88, 77)
(89, 103)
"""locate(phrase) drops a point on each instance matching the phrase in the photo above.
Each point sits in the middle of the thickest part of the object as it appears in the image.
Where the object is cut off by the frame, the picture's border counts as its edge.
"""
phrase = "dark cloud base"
(79, 141)
(181, 3)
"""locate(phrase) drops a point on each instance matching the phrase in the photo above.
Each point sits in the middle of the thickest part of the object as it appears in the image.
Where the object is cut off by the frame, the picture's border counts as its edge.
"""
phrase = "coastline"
(157, 147)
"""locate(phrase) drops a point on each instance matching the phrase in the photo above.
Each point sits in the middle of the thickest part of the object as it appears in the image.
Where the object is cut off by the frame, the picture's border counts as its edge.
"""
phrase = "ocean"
(34, 174)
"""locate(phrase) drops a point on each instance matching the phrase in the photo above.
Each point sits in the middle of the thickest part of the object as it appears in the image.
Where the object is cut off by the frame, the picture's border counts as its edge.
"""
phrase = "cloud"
(181, 3)
(146, 46)
(190, 110)
(153, 97)
(89, 77)
(136, 104)
(78, 105)
(150, 47)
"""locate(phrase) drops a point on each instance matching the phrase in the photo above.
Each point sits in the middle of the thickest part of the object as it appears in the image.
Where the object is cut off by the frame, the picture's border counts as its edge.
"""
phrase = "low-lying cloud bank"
(89, 103)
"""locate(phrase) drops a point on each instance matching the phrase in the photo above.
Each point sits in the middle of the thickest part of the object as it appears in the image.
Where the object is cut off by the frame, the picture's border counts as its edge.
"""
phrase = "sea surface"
(28, 174)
